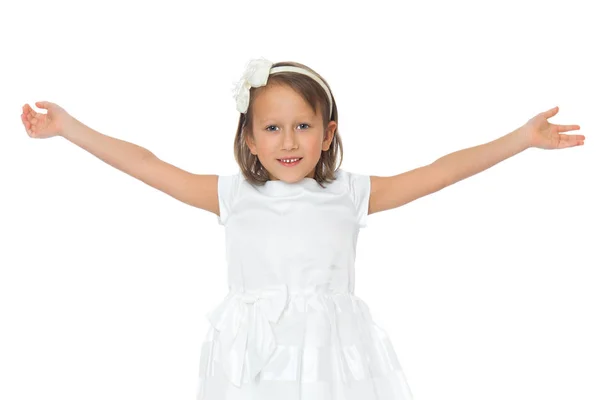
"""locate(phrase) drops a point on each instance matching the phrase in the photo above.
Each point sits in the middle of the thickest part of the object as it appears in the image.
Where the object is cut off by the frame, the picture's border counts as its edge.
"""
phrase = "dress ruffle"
(271, 345)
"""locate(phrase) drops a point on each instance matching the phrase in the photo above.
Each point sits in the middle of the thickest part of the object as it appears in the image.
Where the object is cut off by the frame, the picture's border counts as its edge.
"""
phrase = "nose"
(289, 139)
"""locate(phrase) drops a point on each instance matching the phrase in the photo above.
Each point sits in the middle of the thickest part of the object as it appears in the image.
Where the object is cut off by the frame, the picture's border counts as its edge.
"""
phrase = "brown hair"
(317, 98)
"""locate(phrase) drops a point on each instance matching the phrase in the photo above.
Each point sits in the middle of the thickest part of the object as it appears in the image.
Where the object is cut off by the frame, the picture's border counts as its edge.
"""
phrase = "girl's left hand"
(544, 135)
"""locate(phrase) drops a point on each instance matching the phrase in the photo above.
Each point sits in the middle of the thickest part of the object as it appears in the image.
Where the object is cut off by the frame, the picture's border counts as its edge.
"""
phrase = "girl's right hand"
(43, 126)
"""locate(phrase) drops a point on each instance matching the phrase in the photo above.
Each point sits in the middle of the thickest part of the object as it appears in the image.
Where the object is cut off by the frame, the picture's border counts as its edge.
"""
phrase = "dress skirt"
(273, 345)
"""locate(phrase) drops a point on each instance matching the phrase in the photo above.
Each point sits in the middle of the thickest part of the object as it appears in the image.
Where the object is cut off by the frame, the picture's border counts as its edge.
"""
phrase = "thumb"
(43, 104)
(551, 112)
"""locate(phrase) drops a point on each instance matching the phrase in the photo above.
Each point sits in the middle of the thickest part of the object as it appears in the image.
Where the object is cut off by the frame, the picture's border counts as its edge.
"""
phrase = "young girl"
(290, 327)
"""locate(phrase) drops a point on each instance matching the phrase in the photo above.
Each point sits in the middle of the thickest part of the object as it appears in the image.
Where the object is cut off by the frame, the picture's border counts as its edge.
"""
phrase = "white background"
(488, 289)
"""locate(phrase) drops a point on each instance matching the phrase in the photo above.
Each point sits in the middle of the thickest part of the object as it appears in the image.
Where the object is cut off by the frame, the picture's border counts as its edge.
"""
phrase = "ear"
(250, 143)
(329, 133)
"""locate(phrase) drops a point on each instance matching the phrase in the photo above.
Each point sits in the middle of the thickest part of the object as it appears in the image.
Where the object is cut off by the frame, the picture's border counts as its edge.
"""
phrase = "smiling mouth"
(288, 163)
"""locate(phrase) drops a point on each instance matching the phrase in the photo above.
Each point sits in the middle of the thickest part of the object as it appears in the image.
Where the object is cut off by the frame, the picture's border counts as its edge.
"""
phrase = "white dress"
(290, 327)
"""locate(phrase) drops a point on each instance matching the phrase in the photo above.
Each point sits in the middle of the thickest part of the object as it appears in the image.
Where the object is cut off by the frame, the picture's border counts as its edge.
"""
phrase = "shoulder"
(228, 187)
(359, 190)
(356, 182)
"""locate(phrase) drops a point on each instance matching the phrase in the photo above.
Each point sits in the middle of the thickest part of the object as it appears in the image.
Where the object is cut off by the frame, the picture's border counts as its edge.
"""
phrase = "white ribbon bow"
(245, 335)
(256, 75)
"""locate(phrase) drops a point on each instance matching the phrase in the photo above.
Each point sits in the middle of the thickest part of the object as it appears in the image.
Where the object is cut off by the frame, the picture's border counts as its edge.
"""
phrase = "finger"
(551, 112)
(566, 128)
(25, 121)
(577, 137)
(569, 141)
(29, 111)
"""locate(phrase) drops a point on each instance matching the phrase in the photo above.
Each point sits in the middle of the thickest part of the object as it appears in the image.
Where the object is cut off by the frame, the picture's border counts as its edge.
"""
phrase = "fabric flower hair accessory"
(257, 74)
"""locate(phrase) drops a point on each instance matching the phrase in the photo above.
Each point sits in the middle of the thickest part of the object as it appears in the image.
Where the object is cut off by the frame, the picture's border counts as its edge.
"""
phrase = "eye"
(270, 126)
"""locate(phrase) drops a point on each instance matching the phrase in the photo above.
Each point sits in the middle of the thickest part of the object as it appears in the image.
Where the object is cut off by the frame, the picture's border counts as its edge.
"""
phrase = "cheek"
(267, 147)
(314, 144)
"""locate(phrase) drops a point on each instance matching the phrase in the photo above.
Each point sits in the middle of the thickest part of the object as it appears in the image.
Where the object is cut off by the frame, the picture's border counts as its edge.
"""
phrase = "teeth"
(290, 160)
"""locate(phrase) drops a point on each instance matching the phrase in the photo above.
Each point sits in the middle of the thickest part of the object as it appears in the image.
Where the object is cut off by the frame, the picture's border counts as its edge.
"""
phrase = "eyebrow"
(302, 117)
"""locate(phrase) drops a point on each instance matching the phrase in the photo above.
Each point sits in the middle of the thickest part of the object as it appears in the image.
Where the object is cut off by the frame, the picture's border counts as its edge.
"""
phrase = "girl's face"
(284, 125)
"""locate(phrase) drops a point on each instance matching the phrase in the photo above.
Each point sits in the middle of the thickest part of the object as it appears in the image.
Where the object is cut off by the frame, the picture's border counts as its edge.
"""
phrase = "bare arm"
(124, 156)
(473, 160)
(389, 192)
(193, 189)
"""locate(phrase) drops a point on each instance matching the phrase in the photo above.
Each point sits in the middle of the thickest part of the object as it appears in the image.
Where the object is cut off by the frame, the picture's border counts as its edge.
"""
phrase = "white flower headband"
(256, 75)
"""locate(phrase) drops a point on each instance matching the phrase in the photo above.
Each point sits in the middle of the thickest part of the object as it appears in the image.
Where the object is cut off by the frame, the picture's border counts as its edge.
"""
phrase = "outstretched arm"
(193, 189)
(393, 191)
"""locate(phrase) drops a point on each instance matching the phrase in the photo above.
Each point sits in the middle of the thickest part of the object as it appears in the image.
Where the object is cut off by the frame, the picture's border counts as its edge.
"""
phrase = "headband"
(257, 74)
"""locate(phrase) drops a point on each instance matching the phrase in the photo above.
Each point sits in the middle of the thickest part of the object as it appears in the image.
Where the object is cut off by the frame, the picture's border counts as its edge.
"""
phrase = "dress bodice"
(299, 234)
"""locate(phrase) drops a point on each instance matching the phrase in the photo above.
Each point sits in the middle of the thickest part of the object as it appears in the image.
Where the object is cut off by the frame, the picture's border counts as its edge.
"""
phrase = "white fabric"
(290, 327)
(256, 74)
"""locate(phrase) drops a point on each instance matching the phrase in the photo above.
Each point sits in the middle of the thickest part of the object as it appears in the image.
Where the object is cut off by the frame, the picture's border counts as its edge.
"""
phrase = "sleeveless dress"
(290, 327)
